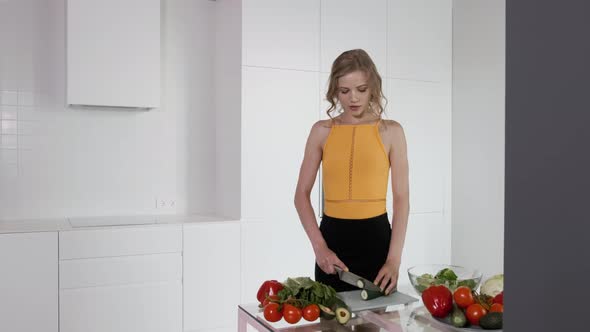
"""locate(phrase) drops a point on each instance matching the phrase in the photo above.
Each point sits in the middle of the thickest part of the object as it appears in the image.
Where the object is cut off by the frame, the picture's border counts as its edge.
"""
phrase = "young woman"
(357, 149)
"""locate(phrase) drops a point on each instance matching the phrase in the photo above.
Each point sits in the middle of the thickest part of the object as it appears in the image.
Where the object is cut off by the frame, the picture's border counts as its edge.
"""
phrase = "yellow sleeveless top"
(355, 170)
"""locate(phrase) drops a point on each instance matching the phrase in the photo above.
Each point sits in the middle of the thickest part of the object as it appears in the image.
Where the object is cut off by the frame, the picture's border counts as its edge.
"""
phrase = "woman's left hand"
(387, 277)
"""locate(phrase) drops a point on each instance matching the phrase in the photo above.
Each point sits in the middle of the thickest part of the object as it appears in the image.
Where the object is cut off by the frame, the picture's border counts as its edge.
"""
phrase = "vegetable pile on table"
(464, 306)
(301, 297)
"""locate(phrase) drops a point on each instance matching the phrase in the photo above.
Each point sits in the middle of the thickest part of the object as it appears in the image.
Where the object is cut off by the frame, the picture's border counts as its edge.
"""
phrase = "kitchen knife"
(355, 280)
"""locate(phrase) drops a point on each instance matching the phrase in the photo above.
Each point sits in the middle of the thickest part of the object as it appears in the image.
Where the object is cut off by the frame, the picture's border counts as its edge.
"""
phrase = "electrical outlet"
(165, 204)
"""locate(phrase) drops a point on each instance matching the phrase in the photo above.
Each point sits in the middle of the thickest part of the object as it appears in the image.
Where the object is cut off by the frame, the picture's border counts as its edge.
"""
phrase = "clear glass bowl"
(423, 276)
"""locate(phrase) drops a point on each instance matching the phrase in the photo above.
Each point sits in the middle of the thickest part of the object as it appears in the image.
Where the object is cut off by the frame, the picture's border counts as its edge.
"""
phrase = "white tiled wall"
(57, 161)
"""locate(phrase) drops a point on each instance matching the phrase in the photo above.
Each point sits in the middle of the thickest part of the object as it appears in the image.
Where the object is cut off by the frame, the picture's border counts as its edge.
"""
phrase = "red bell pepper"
(438, 300)
(269, 287)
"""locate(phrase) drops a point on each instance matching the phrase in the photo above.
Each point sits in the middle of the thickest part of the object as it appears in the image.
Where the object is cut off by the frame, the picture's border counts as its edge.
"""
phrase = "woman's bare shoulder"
(392, 131)
(321, 127)
(320, 131)
(391, 127)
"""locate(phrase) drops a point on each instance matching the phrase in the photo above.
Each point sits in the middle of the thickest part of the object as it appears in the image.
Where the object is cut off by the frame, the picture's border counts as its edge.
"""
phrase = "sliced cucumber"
(360, 283)
(370, 294)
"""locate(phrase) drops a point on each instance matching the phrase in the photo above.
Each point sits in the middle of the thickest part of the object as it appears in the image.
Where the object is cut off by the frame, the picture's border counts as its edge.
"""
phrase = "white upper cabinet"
(353, 24)
(419, 40)
(281, 34)
(113, 53)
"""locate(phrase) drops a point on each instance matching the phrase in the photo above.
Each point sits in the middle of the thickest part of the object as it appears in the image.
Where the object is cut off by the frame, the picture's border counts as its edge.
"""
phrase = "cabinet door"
(211, 275)
(281, 34)
(113, 53)
(353, 24)
(419, 40)
(149, 307)
(28, 282)
(279, 108)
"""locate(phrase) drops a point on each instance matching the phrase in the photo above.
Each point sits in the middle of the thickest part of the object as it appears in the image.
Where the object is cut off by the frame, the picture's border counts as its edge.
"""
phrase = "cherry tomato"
(272, 313)
(269, 299)
(497, 307)
(499, 298)
(311, 312)
(291, 313)
(463, 297)
(474, 313)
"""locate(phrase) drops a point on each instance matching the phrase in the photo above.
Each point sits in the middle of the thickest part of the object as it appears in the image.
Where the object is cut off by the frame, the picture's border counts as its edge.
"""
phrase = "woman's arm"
(325, 257)
(398, 159)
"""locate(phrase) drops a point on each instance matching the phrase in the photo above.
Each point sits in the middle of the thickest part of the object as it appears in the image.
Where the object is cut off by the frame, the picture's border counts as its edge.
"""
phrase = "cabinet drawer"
(130, 308)
(92, 272)
(121, 241)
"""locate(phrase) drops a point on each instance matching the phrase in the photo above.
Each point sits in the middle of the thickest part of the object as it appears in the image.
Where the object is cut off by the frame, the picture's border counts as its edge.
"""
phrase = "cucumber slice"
(360, 283)
(370, 294)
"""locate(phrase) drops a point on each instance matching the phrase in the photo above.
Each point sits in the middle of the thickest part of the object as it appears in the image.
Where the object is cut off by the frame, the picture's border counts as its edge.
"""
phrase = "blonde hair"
(351, 61)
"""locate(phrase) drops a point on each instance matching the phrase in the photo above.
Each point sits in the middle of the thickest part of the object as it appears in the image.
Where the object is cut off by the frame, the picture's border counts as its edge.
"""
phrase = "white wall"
(57, 161)
(478, 134)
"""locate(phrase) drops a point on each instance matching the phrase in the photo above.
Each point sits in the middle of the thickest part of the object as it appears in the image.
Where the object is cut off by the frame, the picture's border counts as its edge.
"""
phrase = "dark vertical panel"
(547, 230)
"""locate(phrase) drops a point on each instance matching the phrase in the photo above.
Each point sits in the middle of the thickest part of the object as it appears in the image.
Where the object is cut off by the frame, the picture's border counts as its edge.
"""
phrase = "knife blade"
(353, 279)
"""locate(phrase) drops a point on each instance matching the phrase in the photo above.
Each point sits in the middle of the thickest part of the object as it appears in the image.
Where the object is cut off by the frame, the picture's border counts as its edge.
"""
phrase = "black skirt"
(361, 244)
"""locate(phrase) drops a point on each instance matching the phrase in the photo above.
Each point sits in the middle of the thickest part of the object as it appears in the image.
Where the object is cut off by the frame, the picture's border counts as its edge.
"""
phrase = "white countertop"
(80, 223)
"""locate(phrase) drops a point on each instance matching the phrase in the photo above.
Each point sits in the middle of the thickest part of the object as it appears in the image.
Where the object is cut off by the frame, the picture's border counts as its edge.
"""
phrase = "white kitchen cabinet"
(211, 257)
(279, 108)
(281, 34)
(119, 241)
(424, 110)
(419, 40)
(274, 250)
(28, 282)
(126, 278)
(349, 25)
(113, 53)
(145, 307)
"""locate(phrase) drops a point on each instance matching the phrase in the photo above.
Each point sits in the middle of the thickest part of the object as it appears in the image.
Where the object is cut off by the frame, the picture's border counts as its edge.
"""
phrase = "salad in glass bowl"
(451, 276)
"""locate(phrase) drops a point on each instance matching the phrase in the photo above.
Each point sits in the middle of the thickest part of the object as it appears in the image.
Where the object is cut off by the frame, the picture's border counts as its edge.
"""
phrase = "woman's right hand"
(326, 259)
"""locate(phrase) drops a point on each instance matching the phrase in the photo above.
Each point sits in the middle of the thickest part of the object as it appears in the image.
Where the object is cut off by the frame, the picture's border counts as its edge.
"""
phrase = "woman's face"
(353, 93)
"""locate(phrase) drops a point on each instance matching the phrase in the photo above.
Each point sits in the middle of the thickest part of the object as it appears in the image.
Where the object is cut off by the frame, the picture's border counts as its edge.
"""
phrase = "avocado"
(326, 313)
(491, 321)
(342, 315)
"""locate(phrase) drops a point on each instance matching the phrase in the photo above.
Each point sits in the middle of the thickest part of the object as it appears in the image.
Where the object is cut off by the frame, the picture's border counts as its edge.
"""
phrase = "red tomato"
(474, 313)
(269, 299)
(497, 307)
(291, 313)
(311, 312)
(463, 297)
(272, 313)
(499, 298)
